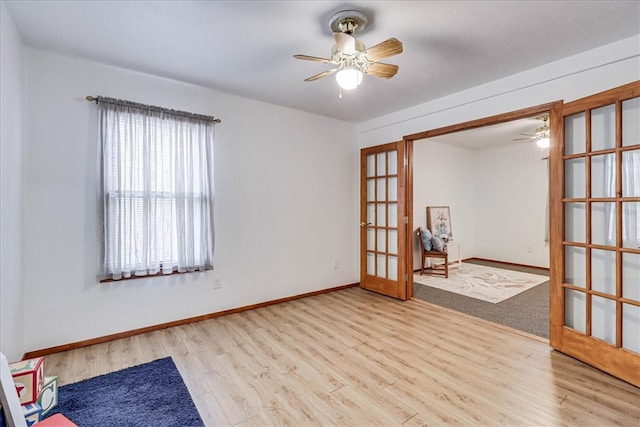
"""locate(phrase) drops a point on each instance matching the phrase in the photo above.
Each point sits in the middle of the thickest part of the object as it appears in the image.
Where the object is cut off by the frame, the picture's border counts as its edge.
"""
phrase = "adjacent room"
(208, 211)
(493, 182)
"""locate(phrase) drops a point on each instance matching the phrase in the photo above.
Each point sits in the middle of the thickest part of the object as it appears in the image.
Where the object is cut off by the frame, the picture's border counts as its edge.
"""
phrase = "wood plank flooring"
(353, 358)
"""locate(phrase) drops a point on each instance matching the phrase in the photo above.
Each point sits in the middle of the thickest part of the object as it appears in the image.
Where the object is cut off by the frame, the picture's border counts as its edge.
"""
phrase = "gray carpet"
(527, 311)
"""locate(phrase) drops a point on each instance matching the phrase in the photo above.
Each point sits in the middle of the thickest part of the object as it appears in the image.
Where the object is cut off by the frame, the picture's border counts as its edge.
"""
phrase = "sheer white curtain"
(631, 188)
(157, 190)
(609, 191)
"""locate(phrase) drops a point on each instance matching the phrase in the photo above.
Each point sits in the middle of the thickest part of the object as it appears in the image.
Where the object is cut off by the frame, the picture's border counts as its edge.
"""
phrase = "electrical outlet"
(529, 249)
(336, 264)
(217, 283)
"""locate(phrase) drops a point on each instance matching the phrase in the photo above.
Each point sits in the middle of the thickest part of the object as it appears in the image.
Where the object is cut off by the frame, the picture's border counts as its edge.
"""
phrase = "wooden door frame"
(554, 109)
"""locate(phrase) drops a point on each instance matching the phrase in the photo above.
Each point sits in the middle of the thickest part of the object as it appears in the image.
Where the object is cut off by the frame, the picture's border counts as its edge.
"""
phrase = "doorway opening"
(496, 190)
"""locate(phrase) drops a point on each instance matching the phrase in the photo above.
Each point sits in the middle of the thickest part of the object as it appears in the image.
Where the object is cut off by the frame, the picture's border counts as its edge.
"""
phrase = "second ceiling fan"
(349, 55)
(542, 135)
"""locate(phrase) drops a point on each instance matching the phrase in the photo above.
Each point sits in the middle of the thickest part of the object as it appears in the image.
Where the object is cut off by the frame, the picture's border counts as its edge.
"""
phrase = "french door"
(595, 255)
(383, 250)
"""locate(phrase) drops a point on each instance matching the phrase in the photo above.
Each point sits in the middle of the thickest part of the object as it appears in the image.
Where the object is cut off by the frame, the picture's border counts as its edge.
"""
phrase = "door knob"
(364, 224)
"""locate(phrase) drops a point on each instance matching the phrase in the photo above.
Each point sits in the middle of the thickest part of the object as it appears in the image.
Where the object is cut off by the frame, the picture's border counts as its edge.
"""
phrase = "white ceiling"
(491, 136)
(246, 47)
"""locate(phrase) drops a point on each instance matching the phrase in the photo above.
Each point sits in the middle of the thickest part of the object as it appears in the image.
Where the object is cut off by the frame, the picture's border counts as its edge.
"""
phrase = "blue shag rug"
(151, 394)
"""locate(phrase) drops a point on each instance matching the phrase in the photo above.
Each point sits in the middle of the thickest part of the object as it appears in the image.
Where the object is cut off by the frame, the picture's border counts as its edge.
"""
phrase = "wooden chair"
(436, 270)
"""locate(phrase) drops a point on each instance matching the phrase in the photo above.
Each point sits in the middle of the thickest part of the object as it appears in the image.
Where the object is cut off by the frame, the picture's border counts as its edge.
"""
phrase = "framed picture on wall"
(439, 221)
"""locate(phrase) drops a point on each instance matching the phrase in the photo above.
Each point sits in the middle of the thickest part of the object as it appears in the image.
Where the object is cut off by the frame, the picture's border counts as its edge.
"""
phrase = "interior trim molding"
(485, 121)
(126, 334)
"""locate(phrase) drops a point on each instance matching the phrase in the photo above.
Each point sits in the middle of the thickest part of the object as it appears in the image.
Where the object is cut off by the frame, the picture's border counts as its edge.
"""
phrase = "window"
(157, 190)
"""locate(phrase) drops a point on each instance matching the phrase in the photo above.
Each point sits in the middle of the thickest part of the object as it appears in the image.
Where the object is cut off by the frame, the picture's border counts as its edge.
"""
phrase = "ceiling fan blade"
(321, 75)
(312, 58)
(530, 138)
(346, 43)
(378, 69)
(385, 49)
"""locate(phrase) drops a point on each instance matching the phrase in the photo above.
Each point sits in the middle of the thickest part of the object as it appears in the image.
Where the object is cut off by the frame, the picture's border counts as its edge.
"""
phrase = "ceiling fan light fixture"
(543, 139)
(349, 78)
(543, 142)
(352, 60)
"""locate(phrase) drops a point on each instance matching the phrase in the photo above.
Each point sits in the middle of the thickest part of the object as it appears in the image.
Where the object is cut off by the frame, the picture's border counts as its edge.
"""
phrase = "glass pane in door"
(371, 165)
(631, 327)
(371, 190)
(631, 276)
(393, 189)
(371, 213)
(631, 225)
(603, 175)
(603, 128)
(393, 215)
(603, 223)
(603, 319)
(575, 310)
(381, 266)
(631, 173)
(381, 161)
(371, 264)
(575, 271)
(381, 189)
(371, 242)
(392, 160)
(575, 183)
(393, 267)
(382, 215)
(575, 222)
(631, 122)
(382, 240)
(575, 139)
(603, 271)
(393, 242)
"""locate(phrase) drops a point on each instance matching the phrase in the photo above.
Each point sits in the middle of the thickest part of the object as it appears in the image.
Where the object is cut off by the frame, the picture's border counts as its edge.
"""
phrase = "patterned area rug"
(482, 282)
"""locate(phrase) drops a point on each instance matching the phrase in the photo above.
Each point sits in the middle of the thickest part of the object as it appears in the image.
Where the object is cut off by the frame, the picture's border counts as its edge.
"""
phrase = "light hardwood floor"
(352, 357)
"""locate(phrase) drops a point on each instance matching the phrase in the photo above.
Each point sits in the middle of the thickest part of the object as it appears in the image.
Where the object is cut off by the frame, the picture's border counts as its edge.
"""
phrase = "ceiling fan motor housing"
(347, 21)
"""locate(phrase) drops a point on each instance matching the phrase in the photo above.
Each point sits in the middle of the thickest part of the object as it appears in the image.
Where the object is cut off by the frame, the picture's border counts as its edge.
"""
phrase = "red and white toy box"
(28, 376)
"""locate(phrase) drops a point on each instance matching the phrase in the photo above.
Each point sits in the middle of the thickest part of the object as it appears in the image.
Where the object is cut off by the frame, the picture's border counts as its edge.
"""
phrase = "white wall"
(510, 196)
(286, 205)
(11, 160)
(568, 79)
(444, 175)
(497, 198)
(286, 182)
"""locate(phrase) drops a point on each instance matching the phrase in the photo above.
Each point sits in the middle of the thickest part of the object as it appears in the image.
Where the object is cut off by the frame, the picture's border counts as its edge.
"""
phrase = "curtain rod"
(215, 120)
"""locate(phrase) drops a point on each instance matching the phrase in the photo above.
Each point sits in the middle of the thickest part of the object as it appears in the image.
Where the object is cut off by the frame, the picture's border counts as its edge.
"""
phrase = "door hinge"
(406, 277)
(406, 220)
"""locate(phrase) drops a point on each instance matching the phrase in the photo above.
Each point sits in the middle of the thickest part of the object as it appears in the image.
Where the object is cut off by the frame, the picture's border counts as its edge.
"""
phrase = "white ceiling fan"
(349, 55)
(542, 135)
